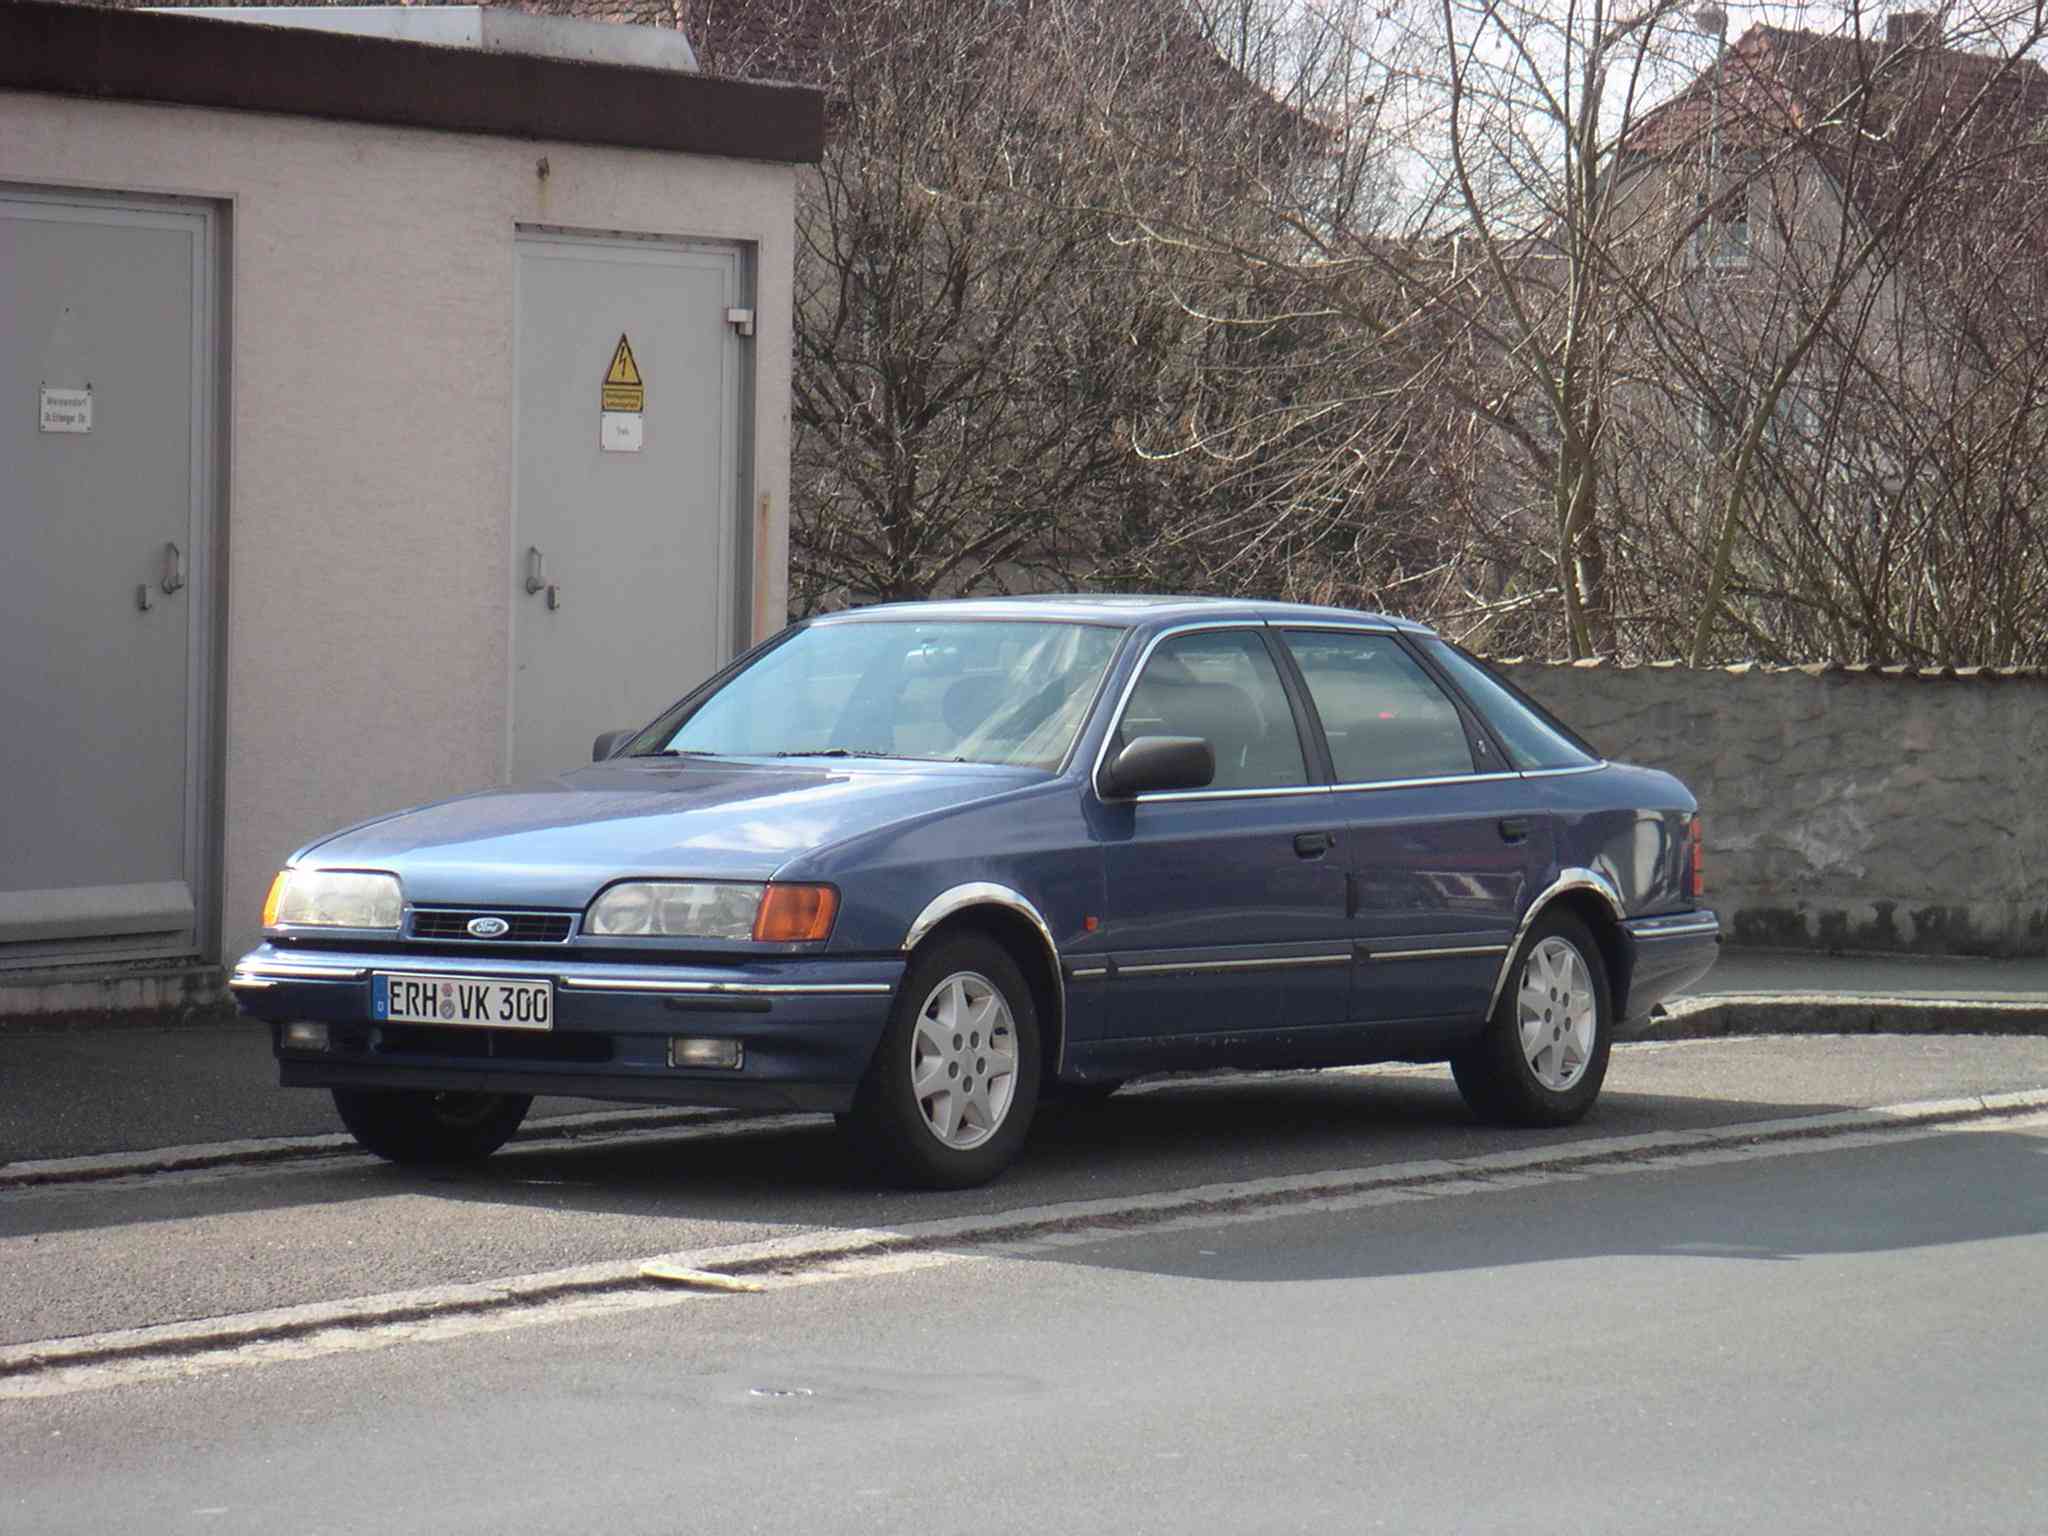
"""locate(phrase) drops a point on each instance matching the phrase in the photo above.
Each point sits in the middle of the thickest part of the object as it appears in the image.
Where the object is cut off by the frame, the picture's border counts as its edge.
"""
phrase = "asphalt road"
(123, 1254)
(1833, 1335)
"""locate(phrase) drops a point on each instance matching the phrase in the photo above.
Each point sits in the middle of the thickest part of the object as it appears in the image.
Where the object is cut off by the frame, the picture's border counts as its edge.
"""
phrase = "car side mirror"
(1157, 763)
(601, 748)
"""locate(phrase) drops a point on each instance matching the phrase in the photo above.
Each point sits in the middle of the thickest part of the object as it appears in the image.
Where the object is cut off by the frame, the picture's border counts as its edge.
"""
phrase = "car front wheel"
(406, 1126)
(1544, 1053)
(950, 1093)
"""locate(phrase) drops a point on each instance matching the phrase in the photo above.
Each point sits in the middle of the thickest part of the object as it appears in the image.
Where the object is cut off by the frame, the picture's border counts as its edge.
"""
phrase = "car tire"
(1543, 1055)
(404, 1126)
(938, 1108)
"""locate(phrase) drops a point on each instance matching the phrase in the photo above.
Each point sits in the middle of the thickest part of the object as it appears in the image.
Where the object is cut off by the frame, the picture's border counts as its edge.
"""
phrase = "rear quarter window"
(1534, 738)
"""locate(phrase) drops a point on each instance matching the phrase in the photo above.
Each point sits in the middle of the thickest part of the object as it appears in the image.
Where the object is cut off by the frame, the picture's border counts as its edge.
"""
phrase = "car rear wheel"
(949, 1096)
(1544, 1054)
(410, 1127)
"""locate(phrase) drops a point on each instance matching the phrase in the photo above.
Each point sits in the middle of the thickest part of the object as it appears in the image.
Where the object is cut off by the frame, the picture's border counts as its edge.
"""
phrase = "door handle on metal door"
(1514, 829)
(536, 569)
(1312, 845)
(174, 569)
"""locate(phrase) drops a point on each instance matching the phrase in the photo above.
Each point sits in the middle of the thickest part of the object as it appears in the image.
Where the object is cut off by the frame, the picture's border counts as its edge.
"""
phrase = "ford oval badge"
(488, 927)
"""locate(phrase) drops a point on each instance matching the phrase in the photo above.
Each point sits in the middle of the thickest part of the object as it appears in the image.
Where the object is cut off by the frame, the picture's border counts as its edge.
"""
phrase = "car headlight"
(333, 898)
(714, 909)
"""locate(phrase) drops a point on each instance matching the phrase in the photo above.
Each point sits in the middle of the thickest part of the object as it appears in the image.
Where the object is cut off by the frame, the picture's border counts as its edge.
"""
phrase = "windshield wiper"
(675, 752)
(836, 752)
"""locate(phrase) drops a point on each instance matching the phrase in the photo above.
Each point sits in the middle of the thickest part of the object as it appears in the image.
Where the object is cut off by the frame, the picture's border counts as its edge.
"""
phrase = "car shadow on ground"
(800, 1172)
(1797, 1206)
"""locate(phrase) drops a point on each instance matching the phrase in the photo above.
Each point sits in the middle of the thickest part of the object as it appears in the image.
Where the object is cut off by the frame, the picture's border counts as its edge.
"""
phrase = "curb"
(733, 1269)
(1819, 1013)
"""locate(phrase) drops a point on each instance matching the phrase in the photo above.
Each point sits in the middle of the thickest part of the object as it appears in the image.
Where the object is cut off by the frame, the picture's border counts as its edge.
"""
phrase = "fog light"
(305, 1037)
(685, 1051)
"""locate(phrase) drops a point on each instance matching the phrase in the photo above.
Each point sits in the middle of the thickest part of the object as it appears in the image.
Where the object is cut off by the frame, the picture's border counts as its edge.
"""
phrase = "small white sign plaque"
(67, 410)
(619, 432)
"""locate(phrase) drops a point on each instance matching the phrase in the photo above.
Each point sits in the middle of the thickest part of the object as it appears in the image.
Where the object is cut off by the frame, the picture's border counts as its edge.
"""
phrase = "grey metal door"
(625, 559)
(106, 363)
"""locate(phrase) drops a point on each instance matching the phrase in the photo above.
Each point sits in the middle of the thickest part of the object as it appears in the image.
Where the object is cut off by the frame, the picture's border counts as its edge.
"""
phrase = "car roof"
(1136, 610)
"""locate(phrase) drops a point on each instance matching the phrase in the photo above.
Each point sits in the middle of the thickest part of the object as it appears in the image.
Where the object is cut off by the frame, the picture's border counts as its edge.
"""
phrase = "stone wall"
(1846, 808)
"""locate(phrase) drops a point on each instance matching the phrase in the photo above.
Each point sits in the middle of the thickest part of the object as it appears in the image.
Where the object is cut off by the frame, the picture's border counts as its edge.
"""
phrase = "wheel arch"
(1591, 897)
(1009, 918)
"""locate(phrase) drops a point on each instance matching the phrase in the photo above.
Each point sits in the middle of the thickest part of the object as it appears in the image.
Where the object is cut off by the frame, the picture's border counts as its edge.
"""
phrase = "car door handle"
(1514, 829)
(1312, 845)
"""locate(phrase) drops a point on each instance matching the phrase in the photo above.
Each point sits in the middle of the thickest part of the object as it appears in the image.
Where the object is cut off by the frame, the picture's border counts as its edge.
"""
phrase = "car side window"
(1384, 716)
(1220, 685)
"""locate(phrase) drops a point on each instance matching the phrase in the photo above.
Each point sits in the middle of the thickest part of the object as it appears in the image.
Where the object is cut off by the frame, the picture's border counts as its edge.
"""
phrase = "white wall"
(369, 463)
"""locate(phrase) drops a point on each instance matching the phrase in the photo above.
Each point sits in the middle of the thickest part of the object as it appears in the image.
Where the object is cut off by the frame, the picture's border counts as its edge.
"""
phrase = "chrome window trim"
(986, 893)
(1333, 626)
(1453, 778)
(1278, 792)
(1252, 625)
(1435, 954)
(1567, 880)
(1561, 773)
(1273, 962)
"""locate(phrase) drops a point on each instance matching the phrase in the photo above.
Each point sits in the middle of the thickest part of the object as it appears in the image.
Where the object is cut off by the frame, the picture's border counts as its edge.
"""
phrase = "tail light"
(1696, 842)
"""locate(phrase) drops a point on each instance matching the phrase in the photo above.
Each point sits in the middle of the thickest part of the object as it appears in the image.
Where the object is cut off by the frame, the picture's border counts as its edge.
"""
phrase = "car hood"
(554, 844)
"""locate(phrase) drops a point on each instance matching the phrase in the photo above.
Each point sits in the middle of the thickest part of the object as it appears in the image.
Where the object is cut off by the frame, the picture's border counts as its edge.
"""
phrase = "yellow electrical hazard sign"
(624, 390)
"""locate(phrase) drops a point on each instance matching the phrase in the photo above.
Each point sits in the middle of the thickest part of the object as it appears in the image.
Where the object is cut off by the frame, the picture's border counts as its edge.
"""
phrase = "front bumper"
(807, 1028)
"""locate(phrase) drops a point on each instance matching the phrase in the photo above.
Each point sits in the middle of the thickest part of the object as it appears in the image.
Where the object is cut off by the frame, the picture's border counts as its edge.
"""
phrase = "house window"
(1796, 420)
(1721, 240)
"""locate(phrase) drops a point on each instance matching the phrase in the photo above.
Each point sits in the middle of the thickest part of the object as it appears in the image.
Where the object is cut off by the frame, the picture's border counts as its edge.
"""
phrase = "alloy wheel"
(1557, 1014)
(963, 1060)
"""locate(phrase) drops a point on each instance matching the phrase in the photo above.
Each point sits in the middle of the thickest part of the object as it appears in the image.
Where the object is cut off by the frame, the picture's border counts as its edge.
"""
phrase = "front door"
(106, 370)
(630, 486)
(1226, 905)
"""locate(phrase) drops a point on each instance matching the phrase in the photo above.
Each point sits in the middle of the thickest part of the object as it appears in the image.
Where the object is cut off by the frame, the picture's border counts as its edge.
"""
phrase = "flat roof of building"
(244, 65)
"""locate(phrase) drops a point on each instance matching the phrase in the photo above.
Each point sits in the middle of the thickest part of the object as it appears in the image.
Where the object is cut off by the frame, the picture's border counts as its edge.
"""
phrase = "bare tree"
(976, 349)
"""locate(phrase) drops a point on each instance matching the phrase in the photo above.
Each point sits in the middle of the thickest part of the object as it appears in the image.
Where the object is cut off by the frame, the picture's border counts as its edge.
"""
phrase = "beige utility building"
(379, 419)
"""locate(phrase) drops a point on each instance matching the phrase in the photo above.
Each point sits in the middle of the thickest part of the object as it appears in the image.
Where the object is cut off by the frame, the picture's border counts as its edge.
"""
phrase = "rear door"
(1441, 845)
(1226, 904)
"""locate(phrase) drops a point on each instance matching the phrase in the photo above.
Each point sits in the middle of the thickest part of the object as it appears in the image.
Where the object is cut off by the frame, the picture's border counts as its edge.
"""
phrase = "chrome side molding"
(1567, 880)
(986, 893)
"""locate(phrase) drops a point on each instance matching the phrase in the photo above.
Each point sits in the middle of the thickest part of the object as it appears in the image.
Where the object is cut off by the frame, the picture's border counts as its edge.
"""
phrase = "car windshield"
(1013, 693)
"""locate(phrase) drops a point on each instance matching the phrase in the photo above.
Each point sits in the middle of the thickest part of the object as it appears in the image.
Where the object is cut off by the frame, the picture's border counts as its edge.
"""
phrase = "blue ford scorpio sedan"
(928, 865)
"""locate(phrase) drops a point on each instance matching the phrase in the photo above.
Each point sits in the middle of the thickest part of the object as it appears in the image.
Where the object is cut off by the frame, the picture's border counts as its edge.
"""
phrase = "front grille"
(496, 1044)
(527, 927)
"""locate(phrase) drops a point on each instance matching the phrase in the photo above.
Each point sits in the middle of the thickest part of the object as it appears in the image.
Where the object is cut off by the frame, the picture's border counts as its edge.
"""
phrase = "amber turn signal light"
(276, 895)
(795, 914)
(1698, 838)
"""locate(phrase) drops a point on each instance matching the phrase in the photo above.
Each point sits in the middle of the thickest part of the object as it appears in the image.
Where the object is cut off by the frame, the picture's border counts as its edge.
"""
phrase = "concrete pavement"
(82, 1092)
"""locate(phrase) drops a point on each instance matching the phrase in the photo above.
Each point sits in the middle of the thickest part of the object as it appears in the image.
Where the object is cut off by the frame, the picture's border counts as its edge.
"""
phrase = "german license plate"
(462, 1000)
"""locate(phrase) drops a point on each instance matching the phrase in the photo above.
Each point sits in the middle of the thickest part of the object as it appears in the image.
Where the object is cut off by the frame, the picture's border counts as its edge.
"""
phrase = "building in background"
(381, 418)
